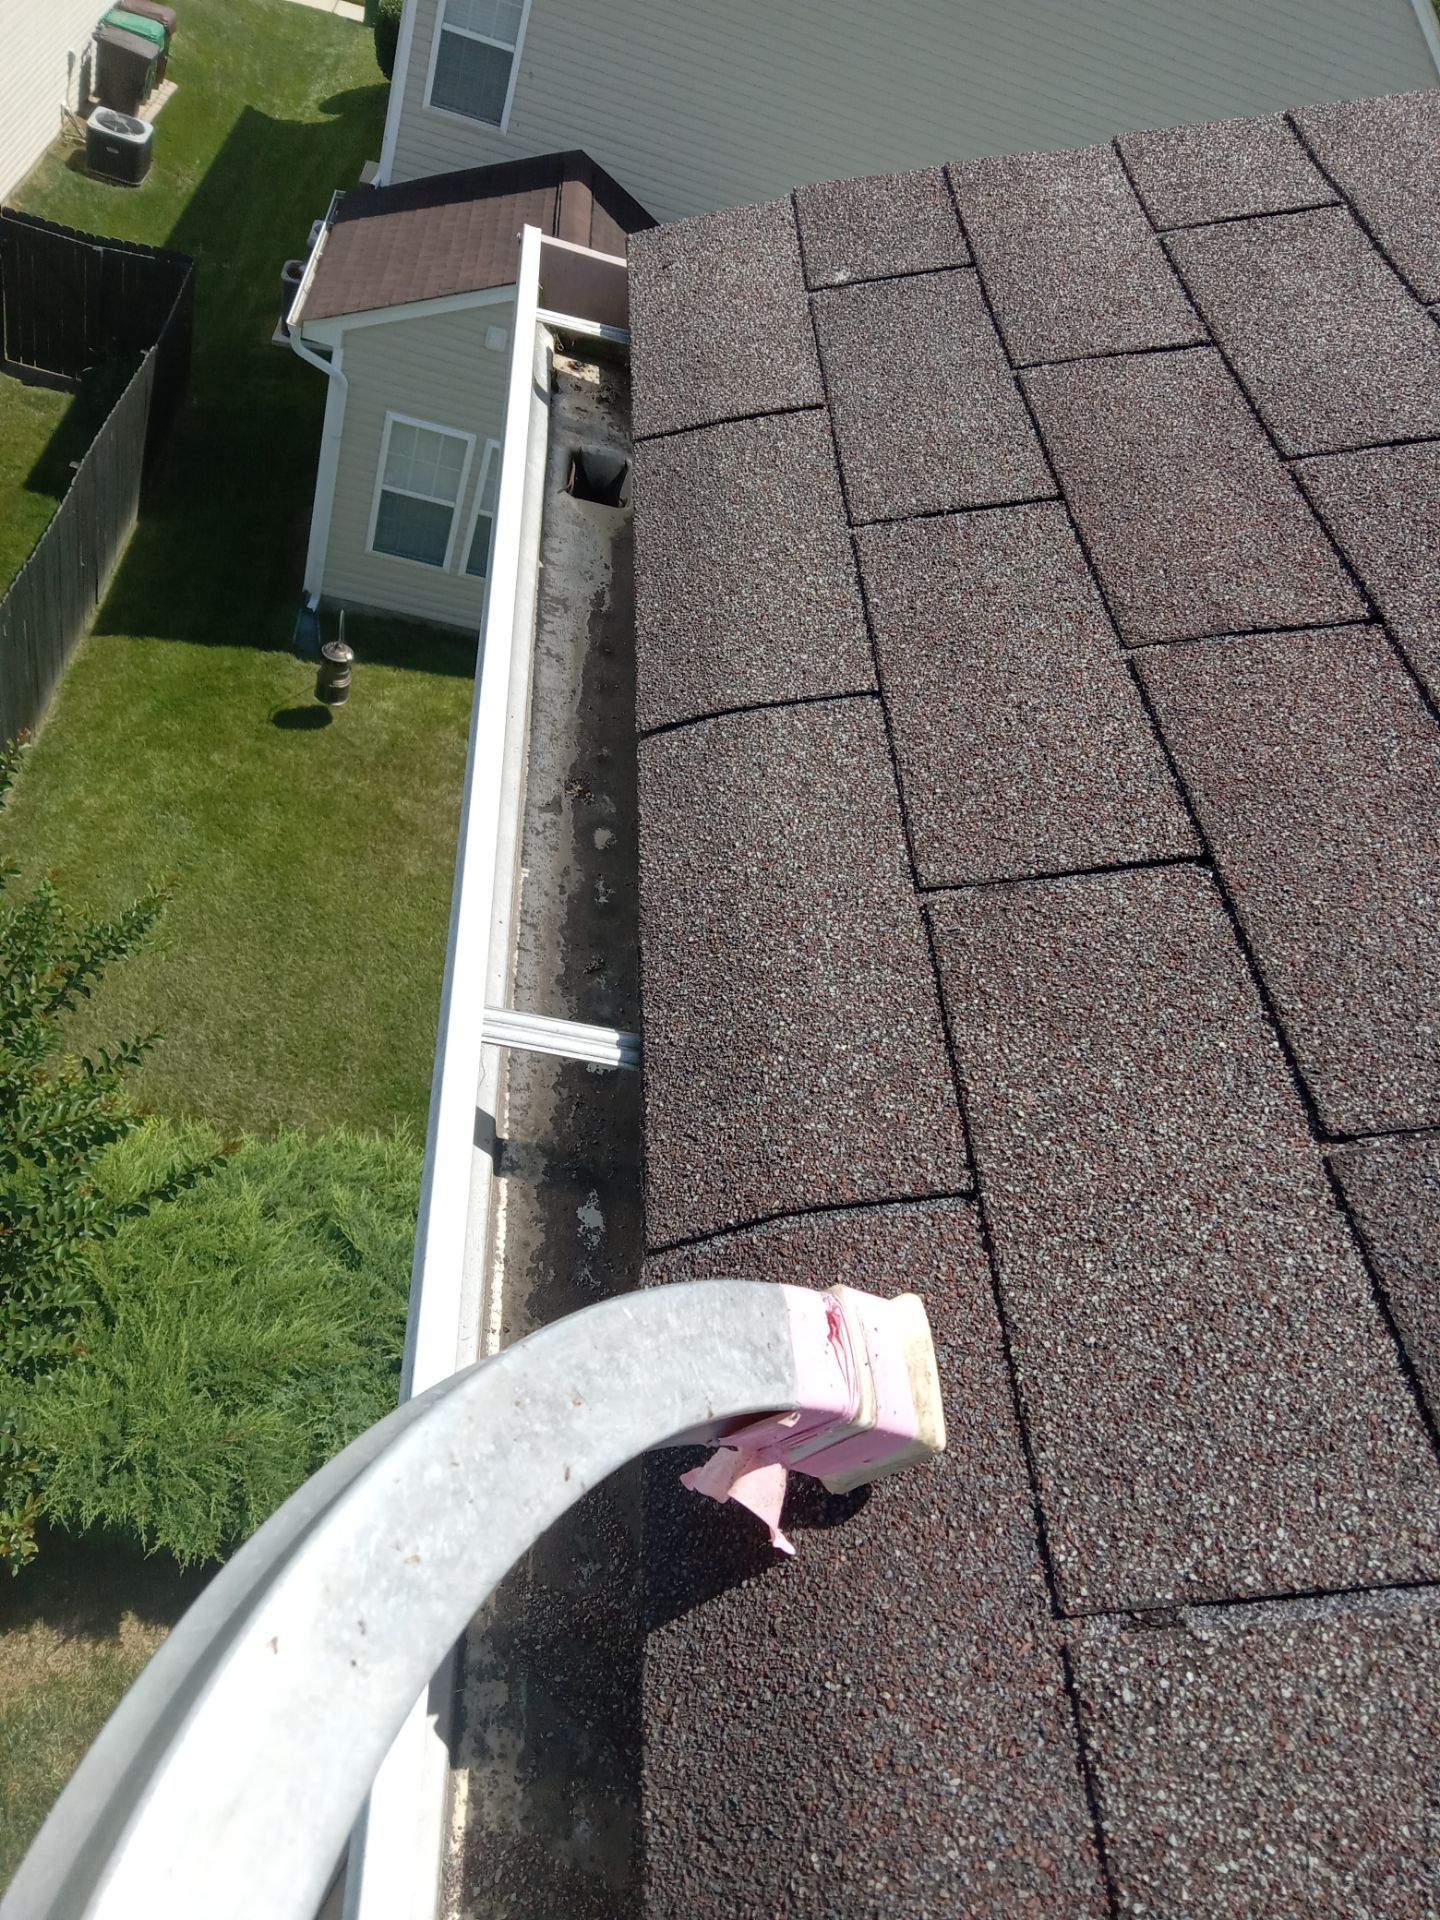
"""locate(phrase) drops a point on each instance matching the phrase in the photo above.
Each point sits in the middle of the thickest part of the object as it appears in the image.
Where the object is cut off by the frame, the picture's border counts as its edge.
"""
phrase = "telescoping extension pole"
(229, 1777)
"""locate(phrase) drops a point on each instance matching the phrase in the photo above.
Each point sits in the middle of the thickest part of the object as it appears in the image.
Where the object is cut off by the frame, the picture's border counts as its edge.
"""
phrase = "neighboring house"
(698, 107)
(410, 291)
(44, 66)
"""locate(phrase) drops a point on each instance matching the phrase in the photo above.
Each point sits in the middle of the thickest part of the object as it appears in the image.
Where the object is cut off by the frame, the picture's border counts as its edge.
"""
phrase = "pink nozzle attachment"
(868, 1395)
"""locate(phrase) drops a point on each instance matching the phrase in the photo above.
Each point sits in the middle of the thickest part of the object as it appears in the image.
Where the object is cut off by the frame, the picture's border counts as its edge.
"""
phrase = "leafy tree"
(59, 1114)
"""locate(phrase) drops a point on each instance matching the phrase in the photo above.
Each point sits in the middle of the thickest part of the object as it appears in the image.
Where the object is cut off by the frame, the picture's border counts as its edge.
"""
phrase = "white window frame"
(430, 426)
(491, 453)
(469, 119)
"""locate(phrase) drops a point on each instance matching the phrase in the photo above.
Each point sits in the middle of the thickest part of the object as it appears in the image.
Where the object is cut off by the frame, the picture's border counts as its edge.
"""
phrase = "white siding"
(438, 370)
(37, 75)
(695, 104)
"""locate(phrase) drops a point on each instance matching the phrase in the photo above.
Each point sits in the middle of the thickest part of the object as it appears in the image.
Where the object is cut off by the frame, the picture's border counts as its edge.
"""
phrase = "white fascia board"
(330, 331)
(395, 107)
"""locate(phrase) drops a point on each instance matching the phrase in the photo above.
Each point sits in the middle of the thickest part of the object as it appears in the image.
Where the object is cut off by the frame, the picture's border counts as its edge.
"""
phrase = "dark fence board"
(69, 302)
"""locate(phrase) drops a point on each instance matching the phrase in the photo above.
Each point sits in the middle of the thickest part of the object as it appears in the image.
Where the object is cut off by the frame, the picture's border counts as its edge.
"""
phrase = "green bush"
(240, 1337)
(387, 34)
(60, 1116)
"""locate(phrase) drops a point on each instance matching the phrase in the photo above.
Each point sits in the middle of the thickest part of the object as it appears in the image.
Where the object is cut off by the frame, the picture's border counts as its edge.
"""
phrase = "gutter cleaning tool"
(870, 1405)
(218, 1788)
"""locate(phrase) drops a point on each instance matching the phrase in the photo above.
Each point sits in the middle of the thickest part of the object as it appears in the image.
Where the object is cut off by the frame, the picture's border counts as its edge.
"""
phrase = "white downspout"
(334, 427)
(329, 464)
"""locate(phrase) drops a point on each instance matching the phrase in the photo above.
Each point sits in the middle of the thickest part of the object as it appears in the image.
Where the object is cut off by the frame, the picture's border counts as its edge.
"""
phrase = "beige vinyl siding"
(438, 370)
(37, 76)
(695, 104)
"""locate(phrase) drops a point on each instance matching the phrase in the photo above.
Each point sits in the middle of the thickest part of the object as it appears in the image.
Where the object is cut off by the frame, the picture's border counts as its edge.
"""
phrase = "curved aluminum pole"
(229, 1777)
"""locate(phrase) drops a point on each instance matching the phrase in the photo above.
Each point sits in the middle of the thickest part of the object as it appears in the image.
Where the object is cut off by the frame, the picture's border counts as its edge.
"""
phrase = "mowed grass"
(78, 1629)
(296, 976)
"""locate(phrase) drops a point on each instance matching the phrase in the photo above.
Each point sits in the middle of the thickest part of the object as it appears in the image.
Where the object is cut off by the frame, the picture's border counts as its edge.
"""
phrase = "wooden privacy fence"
(69, 303)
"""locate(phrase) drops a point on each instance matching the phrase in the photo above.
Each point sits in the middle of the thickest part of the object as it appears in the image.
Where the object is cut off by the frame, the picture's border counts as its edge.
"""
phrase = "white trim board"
(491, 453)
(327, 332)
(393, 419)
(395, 106)
(1429, 28)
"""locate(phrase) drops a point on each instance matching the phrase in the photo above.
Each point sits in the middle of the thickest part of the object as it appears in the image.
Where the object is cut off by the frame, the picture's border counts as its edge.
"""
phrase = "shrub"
(59, 1116)
(238, 1339)
(387, 34)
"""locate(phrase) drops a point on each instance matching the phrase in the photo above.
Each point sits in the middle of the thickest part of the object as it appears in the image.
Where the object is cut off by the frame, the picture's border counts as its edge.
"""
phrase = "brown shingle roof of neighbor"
(457, 232)
(1130, 826)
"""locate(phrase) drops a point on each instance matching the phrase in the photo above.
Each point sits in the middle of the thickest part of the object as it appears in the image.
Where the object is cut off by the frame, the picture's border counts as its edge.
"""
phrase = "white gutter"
(398, 1852)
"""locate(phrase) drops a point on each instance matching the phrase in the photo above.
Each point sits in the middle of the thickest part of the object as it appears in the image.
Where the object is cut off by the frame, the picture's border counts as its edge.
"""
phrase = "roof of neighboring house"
(457, 232)
(1038, 630)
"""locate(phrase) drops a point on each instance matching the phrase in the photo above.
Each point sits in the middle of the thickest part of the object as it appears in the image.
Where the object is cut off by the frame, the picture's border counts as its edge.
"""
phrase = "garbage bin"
(164, 16)
(124, 68)
(133, 21)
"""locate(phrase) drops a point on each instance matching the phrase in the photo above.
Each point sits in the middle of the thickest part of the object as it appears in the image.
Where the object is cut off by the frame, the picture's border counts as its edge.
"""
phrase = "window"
(482, 527)
(422, 475)
(472, 65)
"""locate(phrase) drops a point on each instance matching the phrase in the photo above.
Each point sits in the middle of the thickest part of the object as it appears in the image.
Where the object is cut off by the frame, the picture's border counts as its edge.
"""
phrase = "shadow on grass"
(83, 1589)
(94, 397)
(301, 719)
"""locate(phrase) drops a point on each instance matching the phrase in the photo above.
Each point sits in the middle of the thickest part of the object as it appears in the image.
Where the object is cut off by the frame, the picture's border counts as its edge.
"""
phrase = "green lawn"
(297, 974)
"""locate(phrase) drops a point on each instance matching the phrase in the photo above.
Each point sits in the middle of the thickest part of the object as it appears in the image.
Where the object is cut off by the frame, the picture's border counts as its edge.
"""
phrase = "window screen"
(420, 478)
(478, 559)
(477, 46)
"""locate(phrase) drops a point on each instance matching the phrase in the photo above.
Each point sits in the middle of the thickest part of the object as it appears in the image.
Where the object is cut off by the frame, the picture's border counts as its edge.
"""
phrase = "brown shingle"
(1280, 1763)
(1193, 525)
(1021, 741)
(925, 409)
(1213, 1399)
(1315, 771)
(1384, 510)
(1068, 257)
(1222, 171)
(793, 1047)
(1329, 345)
(1384, 155)
(1393, 1190)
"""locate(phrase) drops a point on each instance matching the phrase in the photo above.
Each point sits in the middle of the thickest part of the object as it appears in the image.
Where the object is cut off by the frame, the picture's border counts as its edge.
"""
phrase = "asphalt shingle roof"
(451, 233)
(1074, 963)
